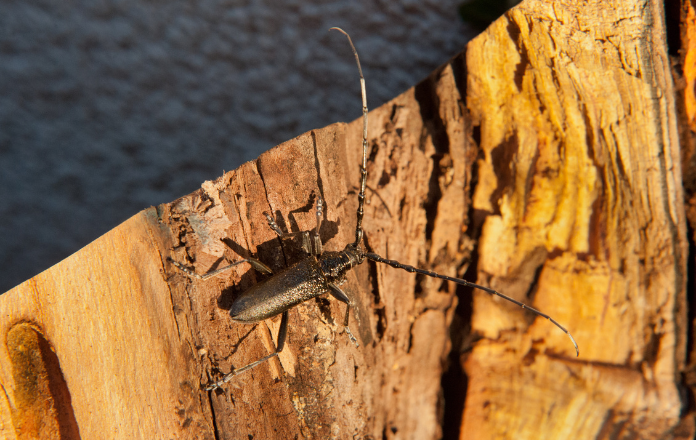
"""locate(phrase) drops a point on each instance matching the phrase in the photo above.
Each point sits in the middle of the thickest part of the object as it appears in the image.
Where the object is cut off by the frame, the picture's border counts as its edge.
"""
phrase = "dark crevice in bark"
(435, 127)
(688, 382)
(673, 9)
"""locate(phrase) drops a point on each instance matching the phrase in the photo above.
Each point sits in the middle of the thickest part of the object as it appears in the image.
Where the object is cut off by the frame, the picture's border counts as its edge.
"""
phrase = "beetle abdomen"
(282, 291)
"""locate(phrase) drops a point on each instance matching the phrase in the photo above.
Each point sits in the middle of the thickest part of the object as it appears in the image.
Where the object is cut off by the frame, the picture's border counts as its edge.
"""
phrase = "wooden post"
(543, 161)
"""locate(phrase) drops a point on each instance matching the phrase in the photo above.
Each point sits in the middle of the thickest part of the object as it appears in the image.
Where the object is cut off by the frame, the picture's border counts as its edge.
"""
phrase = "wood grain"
(581, 193)
(106, 313)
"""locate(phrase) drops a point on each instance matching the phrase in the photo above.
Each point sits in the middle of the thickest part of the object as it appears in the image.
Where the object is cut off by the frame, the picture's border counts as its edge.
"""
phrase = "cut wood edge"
(106, 314)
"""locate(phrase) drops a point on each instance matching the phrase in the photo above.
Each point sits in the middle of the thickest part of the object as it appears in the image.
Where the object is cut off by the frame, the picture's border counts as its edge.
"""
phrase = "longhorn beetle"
(320, 272)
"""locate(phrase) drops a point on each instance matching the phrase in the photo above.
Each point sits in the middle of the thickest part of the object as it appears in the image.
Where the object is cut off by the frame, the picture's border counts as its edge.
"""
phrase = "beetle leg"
(256, 264)
(306, 239)
(306, 243)
(282, 334)
(273, 224)
(337, 293)
(316, 237)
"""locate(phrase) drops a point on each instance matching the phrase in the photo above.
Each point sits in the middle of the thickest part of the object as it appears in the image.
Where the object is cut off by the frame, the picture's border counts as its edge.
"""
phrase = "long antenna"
(363, 169)
(396, 264)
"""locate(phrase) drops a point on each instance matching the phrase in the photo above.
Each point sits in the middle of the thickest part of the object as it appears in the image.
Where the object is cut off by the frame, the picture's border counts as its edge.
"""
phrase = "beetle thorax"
(334, 265)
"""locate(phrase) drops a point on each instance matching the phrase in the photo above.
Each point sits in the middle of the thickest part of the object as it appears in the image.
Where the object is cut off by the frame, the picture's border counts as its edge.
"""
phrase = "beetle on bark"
(320, 272)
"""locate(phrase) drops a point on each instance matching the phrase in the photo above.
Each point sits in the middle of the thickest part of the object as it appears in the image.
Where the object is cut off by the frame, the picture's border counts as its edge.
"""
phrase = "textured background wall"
(111, 106)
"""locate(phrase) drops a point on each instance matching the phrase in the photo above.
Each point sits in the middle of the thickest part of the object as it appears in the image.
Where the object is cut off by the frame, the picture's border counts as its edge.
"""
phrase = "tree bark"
(543, 162)
(582, 205)
(684, 72)
(416, 210)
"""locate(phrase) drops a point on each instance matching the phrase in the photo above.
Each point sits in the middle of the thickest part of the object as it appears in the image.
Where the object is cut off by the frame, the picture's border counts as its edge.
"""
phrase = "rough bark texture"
(581, 193)
(684, 71)
(545, 159)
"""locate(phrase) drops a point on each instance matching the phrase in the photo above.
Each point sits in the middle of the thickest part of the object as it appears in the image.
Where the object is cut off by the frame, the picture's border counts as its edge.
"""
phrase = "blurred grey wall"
(110, 106)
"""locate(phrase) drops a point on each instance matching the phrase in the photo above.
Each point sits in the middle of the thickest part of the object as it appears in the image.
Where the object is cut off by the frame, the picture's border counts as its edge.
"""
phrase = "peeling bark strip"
(581, 199)
(576, 208)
